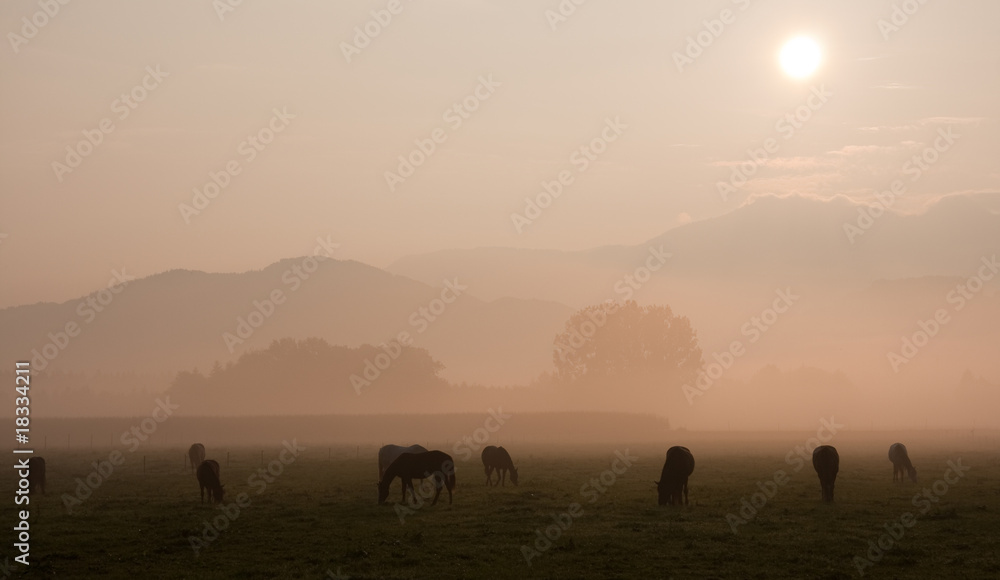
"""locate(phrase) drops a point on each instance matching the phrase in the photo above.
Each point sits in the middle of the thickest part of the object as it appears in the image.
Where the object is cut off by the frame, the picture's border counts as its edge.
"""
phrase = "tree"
(616, 340)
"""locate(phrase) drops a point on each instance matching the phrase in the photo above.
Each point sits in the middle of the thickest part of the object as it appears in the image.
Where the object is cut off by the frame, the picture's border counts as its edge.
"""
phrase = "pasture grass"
(320, 514)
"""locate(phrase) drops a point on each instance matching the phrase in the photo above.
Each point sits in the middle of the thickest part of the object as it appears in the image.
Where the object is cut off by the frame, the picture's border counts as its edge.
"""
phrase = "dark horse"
(901, 465)
(497, 458)
(826, 462)
(208, 478)
(196, 454)
(36, 474)
(409, 466)
(674, 477)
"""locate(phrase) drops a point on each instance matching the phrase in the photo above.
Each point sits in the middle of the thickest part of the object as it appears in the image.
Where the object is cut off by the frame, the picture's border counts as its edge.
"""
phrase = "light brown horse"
(196, 454)
(388, 453)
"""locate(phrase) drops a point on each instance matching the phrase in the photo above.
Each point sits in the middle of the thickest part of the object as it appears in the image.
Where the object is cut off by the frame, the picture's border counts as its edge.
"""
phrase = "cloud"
(894, 86)
(951, 120)
(799, 163)
(852, 150)
(879, 128)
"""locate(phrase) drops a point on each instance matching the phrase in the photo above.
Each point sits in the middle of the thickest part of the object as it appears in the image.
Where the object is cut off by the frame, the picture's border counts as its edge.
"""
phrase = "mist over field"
(288, 253)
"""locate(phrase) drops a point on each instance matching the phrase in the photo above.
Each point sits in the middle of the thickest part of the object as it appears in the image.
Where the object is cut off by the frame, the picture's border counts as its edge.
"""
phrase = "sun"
(800, 57)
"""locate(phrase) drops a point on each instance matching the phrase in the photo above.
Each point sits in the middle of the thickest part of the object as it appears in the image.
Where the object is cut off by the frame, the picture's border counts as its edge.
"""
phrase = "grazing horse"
(901, 463)
(196, 454)
(674, 477)
(36, 474)
(409, 466)
(388, 453)
(826, 462)
(208, 478)
(497, 458)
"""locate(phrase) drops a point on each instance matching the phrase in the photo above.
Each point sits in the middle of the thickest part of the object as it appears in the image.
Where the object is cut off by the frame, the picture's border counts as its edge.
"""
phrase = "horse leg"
(503, 477)
(686, 493)
(437, 489)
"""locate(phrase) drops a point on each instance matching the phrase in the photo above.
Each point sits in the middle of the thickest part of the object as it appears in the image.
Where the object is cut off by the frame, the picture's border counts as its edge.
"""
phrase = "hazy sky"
(888, 92)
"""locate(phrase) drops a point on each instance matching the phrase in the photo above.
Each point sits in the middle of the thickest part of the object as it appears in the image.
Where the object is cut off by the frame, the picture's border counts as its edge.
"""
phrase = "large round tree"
(617, 340)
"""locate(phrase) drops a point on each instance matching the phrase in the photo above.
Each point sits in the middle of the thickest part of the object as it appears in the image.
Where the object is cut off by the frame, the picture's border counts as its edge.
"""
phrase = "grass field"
(320, 515)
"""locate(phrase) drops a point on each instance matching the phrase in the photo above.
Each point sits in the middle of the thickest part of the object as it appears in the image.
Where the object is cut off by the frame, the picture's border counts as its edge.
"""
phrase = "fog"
(595, 221)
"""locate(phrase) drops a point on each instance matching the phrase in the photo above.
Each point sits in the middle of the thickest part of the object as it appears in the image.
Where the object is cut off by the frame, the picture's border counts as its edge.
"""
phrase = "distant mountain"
(768, 242)
(854, 302)
(180, 320)
(857, 298)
